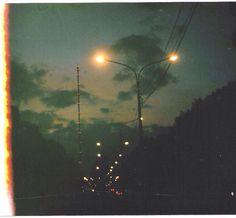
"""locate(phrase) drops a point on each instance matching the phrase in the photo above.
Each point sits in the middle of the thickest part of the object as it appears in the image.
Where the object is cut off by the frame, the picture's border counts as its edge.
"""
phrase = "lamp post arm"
(124, 65)
(150, 64)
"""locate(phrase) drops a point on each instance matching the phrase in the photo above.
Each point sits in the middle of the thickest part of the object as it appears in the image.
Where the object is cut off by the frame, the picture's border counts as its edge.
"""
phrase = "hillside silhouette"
(197, 156)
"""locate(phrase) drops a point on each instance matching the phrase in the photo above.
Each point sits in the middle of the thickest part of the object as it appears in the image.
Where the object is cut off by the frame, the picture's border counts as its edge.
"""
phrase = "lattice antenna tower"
(78, 114)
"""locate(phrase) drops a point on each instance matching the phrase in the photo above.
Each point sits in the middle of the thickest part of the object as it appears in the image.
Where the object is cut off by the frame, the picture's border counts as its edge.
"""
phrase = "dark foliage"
(196, 158)
(40, 166)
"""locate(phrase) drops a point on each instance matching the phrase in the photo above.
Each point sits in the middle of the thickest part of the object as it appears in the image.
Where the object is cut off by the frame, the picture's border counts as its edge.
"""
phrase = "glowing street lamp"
(111, 167)
(120, 155)
(116, 162)
(99, 155)
(137, 74)
(100, 59)
(85, 178)
(98, 144)
(173, 57)
(97, 167)
(126, 143)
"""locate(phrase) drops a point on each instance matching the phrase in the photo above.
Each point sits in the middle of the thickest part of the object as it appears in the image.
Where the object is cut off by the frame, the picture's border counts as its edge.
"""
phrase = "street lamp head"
(100, 59)
(99, 155)
(173, 57)
(98, 144)
(126, 143)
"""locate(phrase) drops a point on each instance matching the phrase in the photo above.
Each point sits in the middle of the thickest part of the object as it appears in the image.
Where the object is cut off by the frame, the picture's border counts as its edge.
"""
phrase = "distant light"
(141, 118)
(100, 59)
(110, 170)
(120, 155)
(126, 143)
(110, 177)
(85, 178)
(99, 155)
(91, 178)
(111, 167)
(117, 177)
(173, 57)
(99, 178)
(116, 162)
(97, 167)
(92, 190)
(232, 193)
(98, 144)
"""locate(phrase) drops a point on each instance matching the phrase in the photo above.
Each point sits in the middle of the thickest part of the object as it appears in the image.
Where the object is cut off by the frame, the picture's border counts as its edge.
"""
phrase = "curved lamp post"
(137, 75)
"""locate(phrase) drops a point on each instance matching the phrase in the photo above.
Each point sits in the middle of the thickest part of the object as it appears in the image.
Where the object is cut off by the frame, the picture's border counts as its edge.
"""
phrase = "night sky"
(48, 40)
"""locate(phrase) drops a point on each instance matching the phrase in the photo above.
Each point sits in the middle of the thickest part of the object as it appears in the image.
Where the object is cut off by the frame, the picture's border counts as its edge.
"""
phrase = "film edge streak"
(6, 181)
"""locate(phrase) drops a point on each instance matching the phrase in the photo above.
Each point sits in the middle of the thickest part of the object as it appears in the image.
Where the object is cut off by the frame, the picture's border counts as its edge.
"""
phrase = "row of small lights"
(98, 144)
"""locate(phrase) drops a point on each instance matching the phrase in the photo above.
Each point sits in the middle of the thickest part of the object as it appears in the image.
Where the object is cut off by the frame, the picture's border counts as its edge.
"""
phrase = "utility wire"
(188, 21)
(173, 29)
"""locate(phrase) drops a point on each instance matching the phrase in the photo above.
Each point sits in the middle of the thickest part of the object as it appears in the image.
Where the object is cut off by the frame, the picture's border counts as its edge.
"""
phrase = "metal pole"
(140, 122)
(78, 114)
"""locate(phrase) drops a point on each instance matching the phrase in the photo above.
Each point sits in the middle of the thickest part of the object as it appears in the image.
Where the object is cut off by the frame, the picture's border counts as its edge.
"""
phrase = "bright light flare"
(120, 155)
(85, 178)
(100, 59)
(126, 143)
(99, 155)
(173, 57)
(117, 177)
(98, 144)
(116, 162)
(97, 167)
(6, 186)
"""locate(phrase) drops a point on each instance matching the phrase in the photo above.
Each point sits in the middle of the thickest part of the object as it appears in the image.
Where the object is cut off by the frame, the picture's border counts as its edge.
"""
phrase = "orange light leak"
(6, 184)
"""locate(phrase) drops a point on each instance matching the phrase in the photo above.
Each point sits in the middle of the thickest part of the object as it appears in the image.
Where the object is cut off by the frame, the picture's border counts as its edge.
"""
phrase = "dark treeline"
(40, 166)
(196, 157)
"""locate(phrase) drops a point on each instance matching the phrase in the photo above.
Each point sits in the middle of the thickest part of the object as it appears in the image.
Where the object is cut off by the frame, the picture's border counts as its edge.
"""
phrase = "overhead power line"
(170, 38)
(178, 44)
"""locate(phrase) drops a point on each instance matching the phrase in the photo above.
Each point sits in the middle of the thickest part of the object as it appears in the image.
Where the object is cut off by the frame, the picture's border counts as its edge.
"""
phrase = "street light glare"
(98, 144)
(99, 155)
(173, 58)
(97, 168)
(126, 143)
(85, 178)
(100, 59)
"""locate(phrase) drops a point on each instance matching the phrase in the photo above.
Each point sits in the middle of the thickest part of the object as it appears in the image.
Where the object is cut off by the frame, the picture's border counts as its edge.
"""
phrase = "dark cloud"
(105, 110)
(148, 106)
(43, 120)
(154, 79)
(138, 50)
(26, 83)
(124, 96)
(59, 98)
(88, 96)
(123, 75)
(65, 98)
